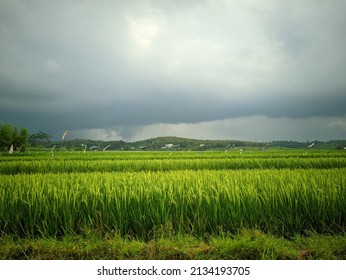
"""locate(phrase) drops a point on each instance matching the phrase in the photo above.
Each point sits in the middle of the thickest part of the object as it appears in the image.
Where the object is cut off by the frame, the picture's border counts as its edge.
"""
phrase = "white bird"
(11, 150)
(63, 136)
(53, 150)
(85, 147)
(228, 147)
(311, 145)
(106, 147)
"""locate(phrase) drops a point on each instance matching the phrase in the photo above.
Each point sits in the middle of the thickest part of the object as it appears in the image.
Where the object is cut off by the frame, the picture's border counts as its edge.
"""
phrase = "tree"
(39, 138)
(9, 136)
(6, 137)
(24, 139)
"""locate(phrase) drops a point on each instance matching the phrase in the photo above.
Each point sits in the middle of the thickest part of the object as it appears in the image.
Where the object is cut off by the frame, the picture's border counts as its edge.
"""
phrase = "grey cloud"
(253, 128)
(121, 65)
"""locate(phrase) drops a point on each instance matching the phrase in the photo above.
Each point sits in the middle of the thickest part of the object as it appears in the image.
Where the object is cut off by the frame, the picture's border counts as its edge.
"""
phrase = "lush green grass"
(277, 201)
(163, 161)
(148, 200)
(247, 245)
(153, 165)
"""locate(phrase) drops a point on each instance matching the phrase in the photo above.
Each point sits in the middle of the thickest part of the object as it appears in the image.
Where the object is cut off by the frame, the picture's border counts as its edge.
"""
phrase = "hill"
(184, 144)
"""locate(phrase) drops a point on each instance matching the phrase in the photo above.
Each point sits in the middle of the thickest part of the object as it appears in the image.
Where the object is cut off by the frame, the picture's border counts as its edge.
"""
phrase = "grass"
(285, 202)
(247, 245)
(87, 165)
(153, 205)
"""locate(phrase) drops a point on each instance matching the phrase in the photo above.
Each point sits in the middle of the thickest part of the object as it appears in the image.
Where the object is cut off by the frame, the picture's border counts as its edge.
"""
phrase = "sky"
(204, 69)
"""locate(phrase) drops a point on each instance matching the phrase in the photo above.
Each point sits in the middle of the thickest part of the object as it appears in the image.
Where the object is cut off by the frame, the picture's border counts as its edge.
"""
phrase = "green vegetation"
(42, 140)
(176, 205)
(18, 138)
(194, 202)
(247, 245)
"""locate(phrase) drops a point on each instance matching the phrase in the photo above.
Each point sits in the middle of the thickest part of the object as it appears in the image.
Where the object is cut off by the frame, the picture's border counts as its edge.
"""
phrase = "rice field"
(142, 194)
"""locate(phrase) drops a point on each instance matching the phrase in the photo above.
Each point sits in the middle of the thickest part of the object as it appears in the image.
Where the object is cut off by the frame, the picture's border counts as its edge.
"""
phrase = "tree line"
(11, 137)
(19, 139)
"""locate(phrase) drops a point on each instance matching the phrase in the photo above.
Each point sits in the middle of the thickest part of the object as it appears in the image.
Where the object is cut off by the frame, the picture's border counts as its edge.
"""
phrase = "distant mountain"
(185, 144)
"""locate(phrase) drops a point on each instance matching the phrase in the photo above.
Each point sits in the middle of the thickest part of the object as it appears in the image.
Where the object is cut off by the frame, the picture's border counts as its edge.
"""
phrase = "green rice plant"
(137, 165)
(140, 204)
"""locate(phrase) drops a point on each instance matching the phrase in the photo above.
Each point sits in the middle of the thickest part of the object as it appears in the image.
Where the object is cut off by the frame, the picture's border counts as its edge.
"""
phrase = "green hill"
(185, 144)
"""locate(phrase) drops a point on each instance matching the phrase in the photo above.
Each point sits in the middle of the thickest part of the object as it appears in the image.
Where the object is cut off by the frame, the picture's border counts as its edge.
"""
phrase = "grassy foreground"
(212, 205)
(247, 245)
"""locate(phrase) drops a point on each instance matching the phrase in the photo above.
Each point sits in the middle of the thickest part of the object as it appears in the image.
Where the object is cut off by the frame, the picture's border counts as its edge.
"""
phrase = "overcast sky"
(204, 69)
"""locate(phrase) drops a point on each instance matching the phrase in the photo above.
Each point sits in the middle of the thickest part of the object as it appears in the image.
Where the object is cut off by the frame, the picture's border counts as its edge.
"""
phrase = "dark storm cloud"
(125, 64)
